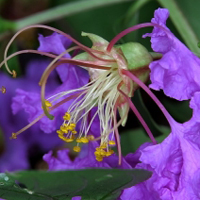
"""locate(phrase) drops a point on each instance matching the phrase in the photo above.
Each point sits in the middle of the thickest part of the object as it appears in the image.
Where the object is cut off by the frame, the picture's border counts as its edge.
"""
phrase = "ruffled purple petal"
(176, 73)
(86, 159)
(54, 43)
(15, 153)
(174, 164)
(192, 127)
(72, 76)
(57, 44)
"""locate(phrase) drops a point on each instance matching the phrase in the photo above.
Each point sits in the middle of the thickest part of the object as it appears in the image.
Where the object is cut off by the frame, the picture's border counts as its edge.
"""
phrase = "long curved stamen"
(85, 48)
(70, 61)
(134, 109)
(51, 67)
(14, 135)
(36, 52)
(119, 122)
(148, 91)
(131, 29)
(117, 137)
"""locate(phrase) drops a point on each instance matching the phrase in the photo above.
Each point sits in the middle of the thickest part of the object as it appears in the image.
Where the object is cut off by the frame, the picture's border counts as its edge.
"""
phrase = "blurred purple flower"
(177, 72)
(71, 77)
(15, 153)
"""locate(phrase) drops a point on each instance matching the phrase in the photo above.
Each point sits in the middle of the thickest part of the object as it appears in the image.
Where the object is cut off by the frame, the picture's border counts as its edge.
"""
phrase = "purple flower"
(176, 73)
(85, 159)
(15, 155)
(71, 77)
(175, 167)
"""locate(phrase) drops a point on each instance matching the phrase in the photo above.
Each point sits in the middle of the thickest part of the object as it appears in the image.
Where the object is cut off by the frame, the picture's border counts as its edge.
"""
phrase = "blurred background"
(105, 18)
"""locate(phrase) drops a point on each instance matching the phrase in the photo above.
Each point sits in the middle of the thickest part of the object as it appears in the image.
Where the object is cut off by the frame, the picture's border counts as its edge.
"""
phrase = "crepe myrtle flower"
(115, 73)
(174, 163)
(14, 155)
(177, 72)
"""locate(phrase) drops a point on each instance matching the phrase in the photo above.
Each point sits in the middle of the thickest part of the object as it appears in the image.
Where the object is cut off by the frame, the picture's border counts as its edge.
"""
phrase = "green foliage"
(97, 184)
(6, 25)
(132, 139)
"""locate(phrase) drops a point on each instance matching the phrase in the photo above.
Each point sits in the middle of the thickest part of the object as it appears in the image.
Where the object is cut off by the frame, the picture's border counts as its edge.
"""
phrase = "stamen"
(85, 48)
(148, 91)
(77, 149)
(134, 28)
(35, 52)
(117, 138)
(51, 67)
(3, 89)
(134, 109)
(14, 136)
(42, 115)
(14, 73)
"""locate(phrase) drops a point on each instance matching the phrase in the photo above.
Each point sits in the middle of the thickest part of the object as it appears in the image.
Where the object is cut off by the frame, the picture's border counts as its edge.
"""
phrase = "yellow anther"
(3, 89)
(111, 142)
(84, 140)
(14, 136)
(77, 149)
(66, 116)
(73, 137)
(60, 132)
(64, 129)
(78, 140)
(70, 128)
(73, 125)
(102, 152)
(69, 140)
(65, 138)
(74, 132)
(90, 137)
(109, 153)
(14, 73)
(99, 158)
(61, 137)
(98, 148)
(48, 104)
(103, 146)
(97, 153)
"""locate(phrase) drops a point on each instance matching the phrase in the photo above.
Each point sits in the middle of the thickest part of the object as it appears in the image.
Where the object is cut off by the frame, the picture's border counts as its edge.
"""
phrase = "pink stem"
(136, 112)
(125, 32)
(148, 91)
(134, 28)
(43, 114)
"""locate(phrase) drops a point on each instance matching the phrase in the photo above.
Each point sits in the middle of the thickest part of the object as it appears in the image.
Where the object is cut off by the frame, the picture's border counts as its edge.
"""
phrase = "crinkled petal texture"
(86, 159)
(175, 166)
(177, 72)
(15, 153)
(71, 76)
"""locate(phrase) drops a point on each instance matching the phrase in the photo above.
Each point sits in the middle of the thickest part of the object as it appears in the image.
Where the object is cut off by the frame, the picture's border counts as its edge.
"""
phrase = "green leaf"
(12, 191)
(131, 140)
(97, 184)
(180, 111)
(61, 11)
(138, 102)
(6, 25)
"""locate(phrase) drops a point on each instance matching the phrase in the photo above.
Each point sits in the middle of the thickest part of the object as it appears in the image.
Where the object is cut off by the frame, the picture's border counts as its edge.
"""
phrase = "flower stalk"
(115, 73)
